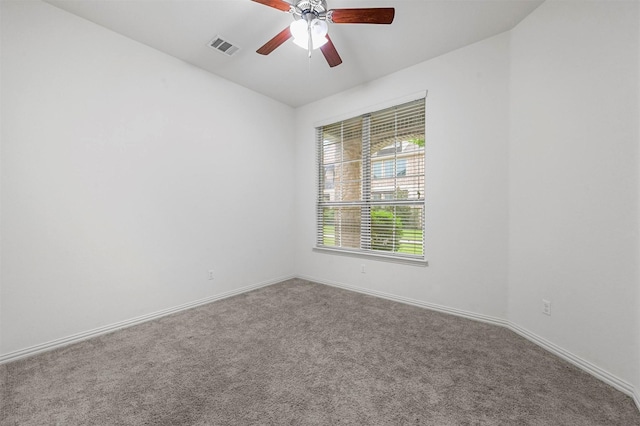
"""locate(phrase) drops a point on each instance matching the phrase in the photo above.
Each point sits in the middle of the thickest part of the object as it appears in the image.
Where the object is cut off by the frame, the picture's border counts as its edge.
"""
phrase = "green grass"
(329, 235)
(412, 234)
(410, 248)
(411, 241)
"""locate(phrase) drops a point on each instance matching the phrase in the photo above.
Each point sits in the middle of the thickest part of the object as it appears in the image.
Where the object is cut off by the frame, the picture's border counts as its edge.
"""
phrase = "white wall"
(126, 174)
(574, 180)
(466, 182)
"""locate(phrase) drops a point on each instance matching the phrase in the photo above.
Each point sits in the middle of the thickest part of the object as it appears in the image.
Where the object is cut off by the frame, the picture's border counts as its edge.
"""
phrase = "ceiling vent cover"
(223, 46)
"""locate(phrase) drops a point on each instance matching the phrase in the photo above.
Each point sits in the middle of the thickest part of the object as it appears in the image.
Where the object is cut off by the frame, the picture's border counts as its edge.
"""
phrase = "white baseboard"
(75, 338)
(413, 302)
(584, 365)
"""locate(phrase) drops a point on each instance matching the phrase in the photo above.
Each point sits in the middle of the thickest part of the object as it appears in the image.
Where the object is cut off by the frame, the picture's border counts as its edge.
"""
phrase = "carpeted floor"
(298, 353)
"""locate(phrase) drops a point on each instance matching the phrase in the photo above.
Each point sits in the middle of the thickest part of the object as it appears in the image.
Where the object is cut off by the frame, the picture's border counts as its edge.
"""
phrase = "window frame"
(367, 200)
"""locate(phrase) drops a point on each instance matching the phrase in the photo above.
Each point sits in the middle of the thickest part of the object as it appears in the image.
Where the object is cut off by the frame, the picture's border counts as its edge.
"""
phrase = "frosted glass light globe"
(300, 33)
(299, 29)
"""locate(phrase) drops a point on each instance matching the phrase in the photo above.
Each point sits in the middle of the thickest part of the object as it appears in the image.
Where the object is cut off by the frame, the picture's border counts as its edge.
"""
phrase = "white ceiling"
(183, 28)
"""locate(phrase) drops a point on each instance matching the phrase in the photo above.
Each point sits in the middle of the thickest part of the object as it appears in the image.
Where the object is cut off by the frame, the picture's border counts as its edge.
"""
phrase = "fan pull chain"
(309, 40)
(309, 44)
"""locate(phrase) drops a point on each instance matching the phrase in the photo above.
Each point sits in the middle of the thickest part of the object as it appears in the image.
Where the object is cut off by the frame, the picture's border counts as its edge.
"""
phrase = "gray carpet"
(298, 353)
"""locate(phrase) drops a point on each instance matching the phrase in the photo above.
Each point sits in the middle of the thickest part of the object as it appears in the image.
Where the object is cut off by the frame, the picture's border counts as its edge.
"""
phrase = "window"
(372, 201)
(389, 168)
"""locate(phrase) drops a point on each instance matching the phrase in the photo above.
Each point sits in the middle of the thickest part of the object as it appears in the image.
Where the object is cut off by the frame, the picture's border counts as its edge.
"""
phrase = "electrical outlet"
(210, 274)
(362, 269)
(546, 307)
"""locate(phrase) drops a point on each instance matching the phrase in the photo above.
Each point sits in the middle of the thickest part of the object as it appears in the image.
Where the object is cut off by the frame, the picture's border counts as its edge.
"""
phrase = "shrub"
(328, 216)
(386, 230)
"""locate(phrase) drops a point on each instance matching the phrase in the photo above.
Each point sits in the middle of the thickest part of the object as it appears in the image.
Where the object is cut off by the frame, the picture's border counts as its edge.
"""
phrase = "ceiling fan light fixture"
(319, 28)
(298, 28)
(300, 32)
(316, 42)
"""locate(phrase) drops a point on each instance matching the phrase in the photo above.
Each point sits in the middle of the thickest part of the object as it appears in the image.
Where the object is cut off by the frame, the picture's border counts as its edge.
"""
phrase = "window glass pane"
(341, 227)
(352, 149)
(329, 226)
(348, 185)
(332, 153)
(388, 168)
(397, 229)
(401, 167)
(342, 154)
(329, 175)
(377, 170)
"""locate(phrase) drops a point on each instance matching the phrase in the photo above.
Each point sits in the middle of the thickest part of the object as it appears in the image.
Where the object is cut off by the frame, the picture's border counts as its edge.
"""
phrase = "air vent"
(223, 46)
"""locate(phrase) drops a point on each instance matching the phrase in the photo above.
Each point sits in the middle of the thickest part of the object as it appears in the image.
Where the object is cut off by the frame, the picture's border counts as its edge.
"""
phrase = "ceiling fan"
(309, 28)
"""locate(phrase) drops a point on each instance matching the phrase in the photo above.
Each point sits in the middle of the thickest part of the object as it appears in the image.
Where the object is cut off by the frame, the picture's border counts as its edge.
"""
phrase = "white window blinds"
(371, 183)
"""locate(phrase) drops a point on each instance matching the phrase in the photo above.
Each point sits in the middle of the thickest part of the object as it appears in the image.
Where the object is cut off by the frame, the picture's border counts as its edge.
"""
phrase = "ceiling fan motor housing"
(316, 8)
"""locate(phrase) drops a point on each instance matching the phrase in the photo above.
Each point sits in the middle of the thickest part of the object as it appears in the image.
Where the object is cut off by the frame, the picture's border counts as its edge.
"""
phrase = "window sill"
(373, 256)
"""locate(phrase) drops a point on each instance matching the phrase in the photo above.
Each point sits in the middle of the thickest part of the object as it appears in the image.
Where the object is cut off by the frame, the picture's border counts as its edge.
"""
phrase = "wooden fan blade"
(276, 4)
(275, 42)
(375, 15)
(330, 53)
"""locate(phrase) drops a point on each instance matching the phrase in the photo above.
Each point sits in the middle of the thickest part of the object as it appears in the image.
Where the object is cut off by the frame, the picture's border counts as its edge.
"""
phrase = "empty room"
(318, 212)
